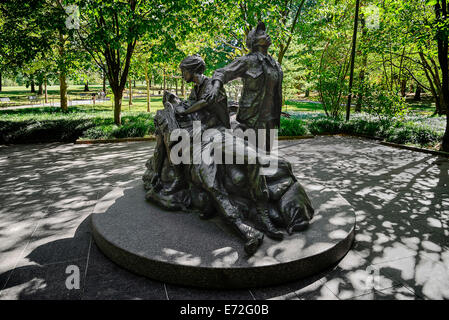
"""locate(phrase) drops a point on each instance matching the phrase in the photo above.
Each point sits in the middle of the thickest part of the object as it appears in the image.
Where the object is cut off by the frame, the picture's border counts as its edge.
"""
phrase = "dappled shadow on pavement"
(401, 199)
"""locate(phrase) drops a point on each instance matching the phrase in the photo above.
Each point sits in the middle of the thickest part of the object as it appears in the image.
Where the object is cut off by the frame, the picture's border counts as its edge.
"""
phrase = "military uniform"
(215, 114)
(261, 100)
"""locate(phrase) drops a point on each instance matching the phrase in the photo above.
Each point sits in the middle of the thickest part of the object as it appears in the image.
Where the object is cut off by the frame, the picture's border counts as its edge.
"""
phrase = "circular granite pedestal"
(180, 248)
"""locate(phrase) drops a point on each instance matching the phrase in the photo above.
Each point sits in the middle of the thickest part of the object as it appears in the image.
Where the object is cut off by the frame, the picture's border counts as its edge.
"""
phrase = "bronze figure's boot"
(298, 226)
(253, 237)
(266, 225)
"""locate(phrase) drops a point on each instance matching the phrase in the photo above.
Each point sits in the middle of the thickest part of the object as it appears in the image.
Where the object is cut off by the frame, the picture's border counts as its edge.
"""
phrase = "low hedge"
(49, 126)
(32, 131)
(131, 127)
(422, 131)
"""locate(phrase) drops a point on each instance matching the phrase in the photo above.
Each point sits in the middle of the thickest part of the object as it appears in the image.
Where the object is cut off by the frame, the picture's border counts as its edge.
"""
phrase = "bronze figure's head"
(192, 65)
(258, 37)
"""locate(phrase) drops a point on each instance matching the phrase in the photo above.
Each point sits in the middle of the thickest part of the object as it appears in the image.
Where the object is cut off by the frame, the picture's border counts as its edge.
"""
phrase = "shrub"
(324, 125)
(293, 127)
(132, 126)
(48, 125)
(43, 131)
(362, 126)
(382, 103)
(332, 85)
(414, 129)
(415, 133)
(51, 125)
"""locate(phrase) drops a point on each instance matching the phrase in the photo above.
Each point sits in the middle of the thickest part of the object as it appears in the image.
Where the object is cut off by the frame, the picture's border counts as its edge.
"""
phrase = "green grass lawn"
(426, 108)
(302, 106)
(20, 95)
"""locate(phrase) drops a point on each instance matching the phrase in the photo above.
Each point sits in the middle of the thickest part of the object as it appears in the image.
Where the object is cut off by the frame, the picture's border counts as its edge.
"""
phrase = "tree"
(442, 43)
(110, 30)
(351, 72)
(22, 34)
(237, 17)
(290, 8)
(141, 66)
(83, 68)
(35, 27)
(362, 73)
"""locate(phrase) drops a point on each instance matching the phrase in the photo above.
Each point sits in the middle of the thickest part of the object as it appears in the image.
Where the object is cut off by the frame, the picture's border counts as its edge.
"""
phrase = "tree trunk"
(307, 93)
(442, 41)
(104, 82)
(134, 83)
(45, 91)
(62, 75)
(40, 90)
(165, 80)
(0, 81)
(417, 96)
(63, 91)
(33, 89)
(86, 86)
(434, 83)
(445, 144)
(354, 42)
(437, 100)
(118, 107)
(358, 105)
(403, 87)
(147, 80)
(439, 103)
(284, 47)
(130, 94)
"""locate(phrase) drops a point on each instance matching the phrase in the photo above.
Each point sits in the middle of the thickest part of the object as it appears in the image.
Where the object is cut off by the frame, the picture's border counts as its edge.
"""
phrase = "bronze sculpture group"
(254, 204)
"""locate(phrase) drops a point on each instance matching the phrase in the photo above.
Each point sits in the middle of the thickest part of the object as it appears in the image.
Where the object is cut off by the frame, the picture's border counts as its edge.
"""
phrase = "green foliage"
(415, 133)
(332, 85)
(324, 125)
(133, 126)
(382, 103)
(49, 125)
(293, 127)
(416, 130)
(396, 51)
(32, 131)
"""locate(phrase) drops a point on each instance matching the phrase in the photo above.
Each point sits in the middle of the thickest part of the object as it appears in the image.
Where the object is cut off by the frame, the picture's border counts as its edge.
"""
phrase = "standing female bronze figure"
(261, 100)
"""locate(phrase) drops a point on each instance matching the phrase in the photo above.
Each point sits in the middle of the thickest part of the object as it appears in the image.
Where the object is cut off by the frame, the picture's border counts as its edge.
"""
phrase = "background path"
(70, 103)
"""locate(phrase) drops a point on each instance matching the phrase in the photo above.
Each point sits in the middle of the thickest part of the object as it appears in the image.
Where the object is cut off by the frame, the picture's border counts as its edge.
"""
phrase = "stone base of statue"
(181, 248)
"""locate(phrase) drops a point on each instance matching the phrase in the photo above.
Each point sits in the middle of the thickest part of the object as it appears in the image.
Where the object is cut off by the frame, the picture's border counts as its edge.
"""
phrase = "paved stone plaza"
(401, 199)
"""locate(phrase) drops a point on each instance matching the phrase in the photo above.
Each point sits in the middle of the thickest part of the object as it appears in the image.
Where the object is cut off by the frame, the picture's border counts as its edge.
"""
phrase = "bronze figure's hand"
(180, 110)
(212, 95)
